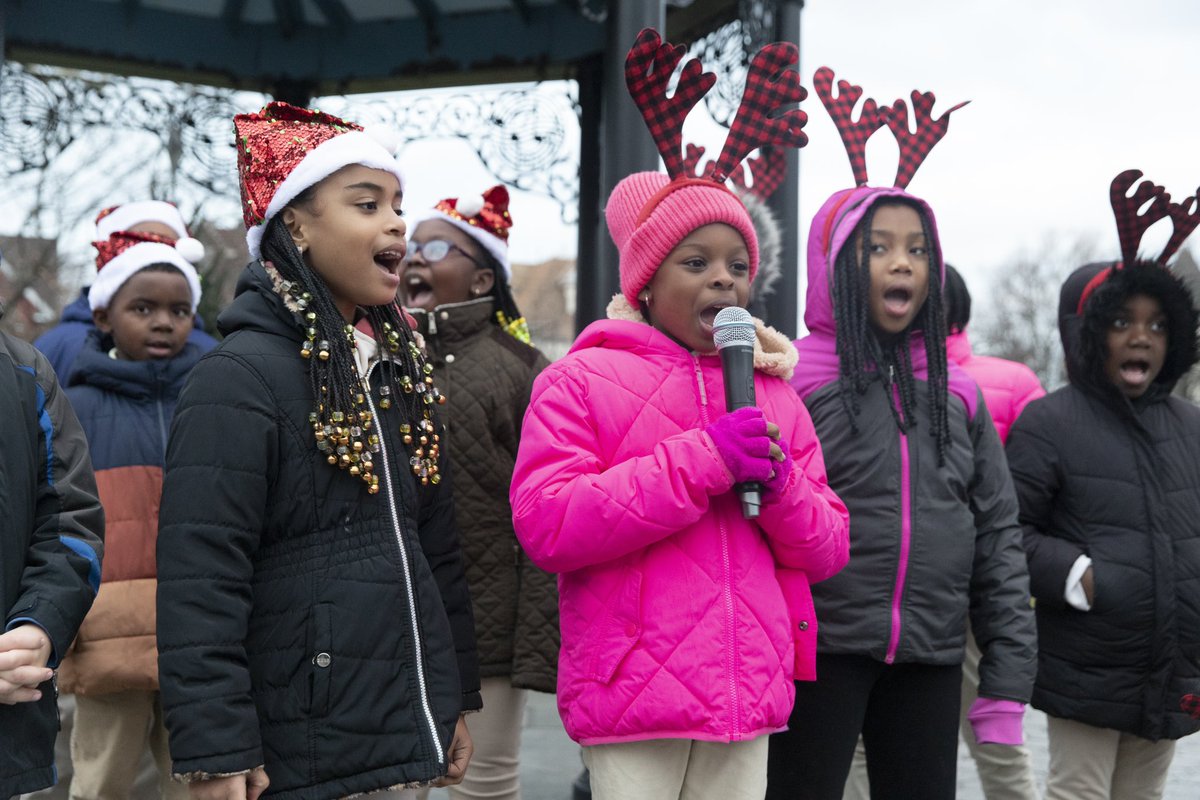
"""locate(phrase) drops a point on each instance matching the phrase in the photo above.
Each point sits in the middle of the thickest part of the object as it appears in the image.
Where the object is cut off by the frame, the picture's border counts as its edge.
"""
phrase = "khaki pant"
(111, 733)
(494, 772)
(1089, 763)
(663, 769)
(1005, 771)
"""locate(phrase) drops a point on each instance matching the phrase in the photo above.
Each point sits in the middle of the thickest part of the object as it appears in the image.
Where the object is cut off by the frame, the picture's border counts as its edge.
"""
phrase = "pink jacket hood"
(830, 231)
(1007, 386)
(679, 618)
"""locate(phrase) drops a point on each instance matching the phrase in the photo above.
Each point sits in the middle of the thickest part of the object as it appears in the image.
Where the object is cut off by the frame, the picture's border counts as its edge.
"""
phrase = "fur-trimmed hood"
(1083, 335)
(774, 354)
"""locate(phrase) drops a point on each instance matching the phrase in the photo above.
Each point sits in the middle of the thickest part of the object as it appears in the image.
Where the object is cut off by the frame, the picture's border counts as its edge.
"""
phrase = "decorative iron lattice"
(526, 138)
(727, 52)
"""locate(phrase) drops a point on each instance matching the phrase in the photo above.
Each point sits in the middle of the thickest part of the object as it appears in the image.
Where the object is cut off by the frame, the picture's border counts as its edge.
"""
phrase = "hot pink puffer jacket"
(679, 617)
(1007, 386)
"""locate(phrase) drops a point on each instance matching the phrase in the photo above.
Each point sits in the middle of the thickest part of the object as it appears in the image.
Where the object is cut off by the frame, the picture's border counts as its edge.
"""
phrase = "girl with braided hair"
(911, 450)
(456, 286)
(315, 630)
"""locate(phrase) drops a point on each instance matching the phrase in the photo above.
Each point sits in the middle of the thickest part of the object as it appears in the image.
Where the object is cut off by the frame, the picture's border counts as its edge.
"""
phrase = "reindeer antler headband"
(914, 146)
(1133, 222)
(767, 170)
(770, 86)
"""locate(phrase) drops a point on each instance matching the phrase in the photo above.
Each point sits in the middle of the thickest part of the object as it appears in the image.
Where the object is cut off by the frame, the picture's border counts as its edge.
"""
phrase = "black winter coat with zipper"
(1119, 481)
(303, 624)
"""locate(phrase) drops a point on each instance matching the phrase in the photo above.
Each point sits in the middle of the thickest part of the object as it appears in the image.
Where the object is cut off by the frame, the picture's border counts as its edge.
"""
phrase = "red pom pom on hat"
(485, 218)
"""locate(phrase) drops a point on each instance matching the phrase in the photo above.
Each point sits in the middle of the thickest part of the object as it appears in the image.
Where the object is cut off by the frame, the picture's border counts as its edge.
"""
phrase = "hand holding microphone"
(747, 447)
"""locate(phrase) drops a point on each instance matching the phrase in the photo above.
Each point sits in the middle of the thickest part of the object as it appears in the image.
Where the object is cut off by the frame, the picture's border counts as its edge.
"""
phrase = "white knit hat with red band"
(484, 218)
(129, 215)
(283, 150)
(124, 254)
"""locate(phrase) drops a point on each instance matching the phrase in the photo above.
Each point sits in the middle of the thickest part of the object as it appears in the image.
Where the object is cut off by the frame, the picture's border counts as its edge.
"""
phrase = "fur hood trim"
(774, 353)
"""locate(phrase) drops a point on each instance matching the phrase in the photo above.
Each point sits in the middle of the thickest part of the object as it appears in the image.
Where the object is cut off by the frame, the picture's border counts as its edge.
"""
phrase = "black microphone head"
(733, 327)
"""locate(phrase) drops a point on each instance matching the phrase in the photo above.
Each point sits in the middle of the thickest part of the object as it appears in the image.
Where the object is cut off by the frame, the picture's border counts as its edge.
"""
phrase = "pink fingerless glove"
(997, 721)
(783, 470)
(741, 439)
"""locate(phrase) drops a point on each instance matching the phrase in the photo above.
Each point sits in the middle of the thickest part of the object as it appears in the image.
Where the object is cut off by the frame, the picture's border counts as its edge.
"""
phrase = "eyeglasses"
(435, 250)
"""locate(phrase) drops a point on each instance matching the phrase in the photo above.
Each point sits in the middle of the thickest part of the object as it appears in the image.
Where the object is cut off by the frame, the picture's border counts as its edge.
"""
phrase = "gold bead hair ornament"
(282, 151)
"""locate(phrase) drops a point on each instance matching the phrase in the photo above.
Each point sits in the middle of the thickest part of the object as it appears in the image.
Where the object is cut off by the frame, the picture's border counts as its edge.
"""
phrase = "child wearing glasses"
(456, 285)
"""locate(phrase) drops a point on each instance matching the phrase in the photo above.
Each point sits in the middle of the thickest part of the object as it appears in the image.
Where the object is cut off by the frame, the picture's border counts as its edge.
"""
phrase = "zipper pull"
(432, 323)
(891, 373)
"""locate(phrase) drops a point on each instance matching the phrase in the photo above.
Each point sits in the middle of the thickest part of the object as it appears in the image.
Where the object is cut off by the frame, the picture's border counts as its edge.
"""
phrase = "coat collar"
(774, 354)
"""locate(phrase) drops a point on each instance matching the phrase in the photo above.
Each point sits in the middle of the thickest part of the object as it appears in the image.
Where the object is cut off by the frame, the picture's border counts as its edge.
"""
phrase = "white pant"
(662, 769)
(494, 772)
(1089, 763)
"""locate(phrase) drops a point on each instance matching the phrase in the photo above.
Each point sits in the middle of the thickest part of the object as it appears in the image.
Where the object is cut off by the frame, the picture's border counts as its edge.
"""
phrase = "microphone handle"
(737, 368)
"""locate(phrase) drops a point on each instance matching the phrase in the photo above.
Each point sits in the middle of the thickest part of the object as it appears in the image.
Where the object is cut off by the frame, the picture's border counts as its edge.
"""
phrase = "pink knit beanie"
(647, 220)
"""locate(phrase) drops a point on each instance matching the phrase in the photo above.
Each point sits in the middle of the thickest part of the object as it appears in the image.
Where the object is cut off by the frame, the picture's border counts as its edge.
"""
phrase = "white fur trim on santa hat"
(113, 275)
(492, 243)
(352, 147)
(125, 216)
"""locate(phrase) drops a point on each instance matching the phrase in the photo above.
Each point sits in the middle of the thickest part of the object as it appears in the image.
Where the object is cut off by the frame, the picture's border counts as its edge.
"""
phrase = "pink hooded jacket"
(1007, 386)
(680, 619)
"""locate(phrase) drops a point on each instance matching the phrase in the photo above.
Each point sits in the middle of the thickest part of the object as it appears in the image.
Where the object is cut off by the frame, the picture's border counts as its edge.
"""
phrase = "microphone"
(733, 333)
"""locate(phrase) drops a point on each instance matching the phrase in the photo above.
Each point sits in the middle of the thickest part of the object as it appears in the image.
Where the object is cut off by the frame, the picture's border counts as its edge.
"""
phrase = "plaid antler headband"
(914, 146)
(1133, 222)
(767, 170)
(770, 86)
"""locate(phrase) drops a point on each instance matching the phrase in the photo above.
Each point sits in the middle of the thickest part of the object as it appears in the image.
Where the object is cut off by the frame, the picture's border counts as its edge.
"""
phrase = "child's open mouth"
(897, 301)
(390, 260)
(417, 291)
(709, 314)
(1135, 371)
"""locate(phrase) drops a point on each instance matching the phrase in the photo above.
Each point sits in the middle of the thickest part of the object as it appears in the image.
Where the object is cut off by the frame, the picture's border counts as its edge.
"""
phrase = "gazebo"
(298, 49)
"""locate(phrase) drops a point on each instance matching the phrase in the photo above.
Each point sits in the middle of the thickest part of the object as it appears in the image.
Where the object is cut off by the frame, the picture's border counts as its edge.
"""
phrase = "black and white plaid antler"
(915, 146)
(771, 86)
(854, 132)
(648, 69)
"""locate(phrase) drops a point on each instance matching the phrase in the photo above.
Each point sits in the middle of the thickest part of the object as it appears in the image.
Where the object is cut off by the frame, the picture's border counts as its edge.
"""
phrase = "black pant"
(907, 715)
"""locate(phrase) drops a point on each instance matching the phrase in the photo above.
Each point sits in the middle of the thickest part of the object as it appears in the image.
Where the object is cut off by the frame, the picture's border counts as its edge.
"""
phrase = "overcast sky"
(1064, 95)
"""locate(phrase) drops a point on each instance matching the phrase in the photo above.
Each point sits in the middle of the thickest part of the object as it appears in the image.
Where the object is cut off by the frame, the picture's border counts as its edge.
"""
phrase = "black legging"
(907, 715)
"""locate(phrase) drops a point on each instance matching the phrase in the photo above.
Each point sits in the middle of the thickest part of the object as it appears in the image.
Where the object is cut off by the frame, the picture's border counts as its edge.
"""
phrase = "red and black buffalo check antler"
(771, 86)
(855, 132)
(768, 170)
(915, 146)
(762, 120)
(1132, 222)
(1185, 217)
(648, 69)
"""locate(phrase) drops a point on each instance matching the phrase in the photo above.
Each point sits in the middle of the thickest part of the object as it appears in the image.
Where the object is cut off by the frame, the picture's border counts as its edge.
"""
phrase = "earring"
(645, 298)
(475, 292)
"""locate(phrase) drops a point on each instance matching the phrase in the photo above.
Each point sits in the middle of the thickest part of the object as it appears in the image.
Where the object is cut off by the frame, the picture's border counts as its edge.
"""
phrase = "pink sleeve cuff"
(997, 721)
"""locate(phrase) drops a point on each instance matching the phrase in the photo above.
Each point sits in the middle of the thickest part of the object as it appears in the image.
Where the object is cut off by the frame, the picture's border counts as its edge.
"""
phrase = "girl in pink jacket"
(683, 623)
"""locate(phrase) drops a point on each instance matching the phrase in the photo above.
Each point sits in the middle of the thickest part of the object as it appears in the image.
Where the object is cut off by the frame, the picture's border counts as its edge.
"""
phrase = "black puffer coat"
(1119, 481)
(303, 624)
(487, 376)
(50, 544)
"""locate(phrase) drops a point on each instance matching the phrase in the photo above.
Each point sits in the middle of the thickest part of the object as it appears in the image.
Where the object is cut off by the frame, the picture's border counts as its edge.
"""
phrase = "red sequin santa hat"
(484, 218)
(283, 150)
(125, 253)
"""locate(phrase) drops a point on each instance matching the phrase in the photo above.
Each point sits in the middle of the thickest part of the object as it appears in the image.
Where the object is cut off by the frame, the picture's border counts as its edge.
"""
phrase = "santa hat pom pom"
(387, 136)
(469, 206)
(192, 250)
